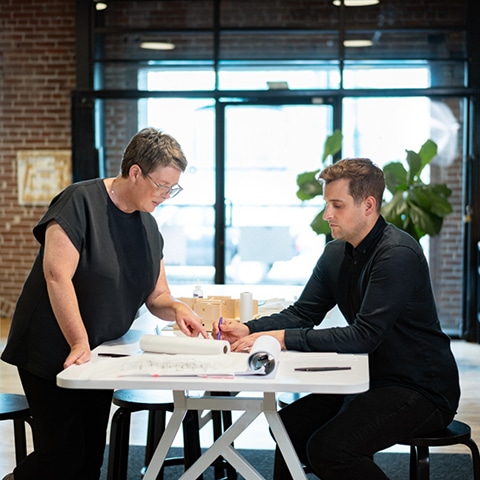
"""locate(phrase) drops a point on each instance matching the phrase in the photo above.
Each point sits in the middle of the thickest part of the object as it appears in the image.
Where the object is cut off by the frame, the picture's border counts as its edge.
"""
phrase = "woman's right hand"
(79, 353)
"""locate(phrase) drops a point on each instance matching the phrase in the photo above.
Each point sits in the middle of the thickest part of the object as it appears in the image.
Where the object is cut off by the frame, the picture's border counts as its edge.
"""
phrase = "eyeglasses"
(173, 191)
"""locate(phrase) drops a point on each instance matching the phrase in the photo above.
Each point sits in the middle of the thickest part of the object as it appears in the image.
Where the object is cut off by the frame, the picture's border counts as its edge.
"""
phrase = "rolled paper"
(186, 345)
(246, 306)
(264, 354)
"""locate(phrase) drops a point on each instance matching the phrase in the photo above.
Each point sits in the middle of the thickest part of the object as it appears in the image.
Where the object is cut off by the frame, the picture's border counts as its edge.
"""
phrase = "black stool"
(130, 401)
(15, 407)
(456, 433)
(287, 398)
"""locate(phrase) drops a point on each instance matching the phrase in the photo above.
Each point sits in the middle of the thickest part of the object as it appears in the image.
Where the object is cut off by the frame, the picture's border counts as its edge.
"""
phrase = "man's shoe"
(8, 476)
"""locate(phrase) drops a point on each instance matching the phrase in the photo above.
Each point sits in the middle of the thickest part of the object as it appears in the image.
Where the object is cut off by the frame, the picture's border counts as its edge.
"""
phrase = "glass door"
(238, 219)
(268, 238)
(187, 222)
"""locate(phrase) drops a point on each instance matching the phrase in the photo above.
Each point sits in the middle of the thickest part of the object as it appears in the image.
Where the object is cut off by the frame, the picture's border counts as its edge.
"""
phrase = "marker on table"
(321, 369)
(220, 321)
(113, 355)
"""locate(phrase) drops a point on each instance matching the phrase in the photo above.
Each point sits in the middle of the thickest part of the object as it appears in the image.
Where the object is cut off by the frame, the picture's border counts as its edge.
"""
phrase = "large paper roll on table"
(187, 345)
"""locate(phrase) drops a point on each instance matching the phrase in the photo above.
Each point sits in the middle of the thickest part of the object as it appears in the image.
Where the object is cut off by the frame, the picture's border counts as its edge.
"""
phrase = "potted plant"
(416, 207)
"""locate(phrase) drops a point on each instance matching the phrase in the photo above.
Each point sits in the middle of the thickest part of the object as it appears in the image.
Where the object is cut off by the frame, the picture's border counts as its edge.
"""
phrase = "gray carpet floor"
(395, 465)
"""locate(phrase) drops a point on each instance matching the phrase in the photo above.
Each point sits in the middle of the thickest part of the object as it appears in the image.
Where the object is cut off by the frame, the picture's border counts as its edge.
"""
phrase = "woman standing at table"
(100, 259)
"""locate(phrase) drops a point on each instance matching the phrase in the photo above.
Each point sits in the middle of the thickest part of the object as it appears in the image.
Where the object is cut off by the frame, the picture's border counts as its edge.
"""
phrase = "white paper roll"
(264, 354)
(188, 345)
(267, 344)
(246, 306)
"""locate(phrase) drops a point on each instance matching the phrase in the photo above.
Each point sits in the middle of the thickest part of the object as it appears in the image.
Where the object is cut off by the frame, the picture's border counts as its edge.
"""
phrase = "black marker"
(113, 355)
(320, 369)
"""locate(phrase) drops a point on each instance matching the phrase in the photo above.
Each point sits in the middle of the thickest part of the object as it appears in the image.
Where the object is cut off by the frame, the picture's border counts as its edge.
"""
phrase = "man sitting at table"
(379, 278)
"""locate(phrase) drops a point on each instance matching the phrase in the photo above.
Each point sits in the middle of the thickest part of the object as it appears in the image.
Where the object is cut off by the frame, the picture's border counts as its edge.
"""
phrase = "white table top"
(99, 374)
(286, 379)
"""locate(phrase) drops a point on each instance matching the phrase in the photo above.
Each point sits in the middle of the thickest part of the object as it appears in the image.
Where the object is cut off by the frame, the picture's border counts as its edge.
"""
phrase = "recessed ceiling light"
(356, 3)
(358, 43)
(100, 6)
(157, 45)
(277, 85)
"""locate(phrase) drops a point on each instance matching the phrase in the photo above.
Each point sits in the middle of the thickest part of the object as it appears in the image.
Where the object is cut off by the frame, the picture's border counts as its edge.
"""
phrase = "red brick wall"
(37, 74)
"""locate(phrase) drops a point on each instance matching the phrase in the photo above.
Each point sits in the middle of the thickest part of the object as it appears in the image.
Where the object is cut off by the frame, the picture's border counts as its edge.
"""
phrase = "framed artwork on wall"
(41, 174)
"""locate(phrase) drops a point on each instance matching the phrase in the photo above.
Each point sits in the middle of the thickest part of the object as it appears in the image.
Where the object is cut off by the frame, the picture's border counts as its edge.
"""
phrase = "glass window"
(177, 78)
(386, 75)
(270, 75)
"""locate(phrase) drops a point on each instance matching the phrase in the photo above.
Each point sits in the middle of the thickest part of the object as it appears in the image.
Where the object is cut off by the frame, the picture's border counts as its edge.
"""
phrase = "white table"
(286, 380)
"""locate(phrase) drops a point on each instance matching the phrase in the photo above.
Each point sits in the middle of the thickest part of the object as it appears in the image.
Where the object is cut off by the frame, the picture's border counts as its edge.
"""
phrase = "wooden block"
(209, 311)
(228, 306)
(188, 300)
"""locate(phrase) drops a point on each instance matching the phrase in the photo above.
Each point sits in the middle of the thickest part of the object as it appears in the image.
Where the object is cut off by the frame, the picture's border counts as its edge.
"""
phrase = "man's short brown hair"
(365, 178)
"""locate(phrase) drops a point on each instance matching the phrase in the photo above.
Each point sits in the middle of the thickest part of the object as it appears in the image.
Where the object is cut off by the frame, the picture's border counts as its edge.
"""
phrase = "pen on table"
(321, 369)
(220, 321)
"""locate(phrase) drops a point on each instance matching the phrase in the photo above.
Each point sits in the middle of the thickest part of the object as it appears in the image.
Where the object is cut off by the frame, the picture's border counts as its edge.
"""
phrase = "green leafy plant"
(416, 207)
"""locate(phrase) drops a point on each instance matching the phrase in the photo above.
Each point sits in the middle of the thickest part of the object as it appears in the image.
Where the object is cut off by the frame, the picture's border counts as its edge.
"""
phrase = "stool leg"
(475, 458)
(219, 464)
(423, 463)
(119, 443)
(20, 440)
(156, 427)
(222, 420)
(227, 423)
(413, 463)
(191, 439)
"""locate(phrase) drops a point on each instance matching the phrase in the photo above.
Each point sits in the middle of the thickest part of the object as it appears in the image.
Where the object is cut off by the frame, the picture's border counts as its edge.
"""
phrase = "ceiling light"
(356, 3)
(358, 43)
(277, 85)
(100, 6)
(157, 45)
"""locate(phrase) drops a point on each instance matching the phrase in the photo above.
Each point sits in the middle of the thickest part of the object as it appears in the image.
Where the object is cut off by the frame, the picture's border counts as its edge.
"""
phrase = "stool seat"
(456, 433)
(138, 400)
(15, 407)
(12, 406)
(286, 398)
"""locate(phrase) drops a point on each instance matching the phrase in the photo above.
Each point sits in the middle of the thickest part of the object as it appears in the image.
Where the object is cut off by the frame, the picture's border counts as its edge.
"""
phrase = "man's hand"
(230, 330)
(238, 334)
(245, 344)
